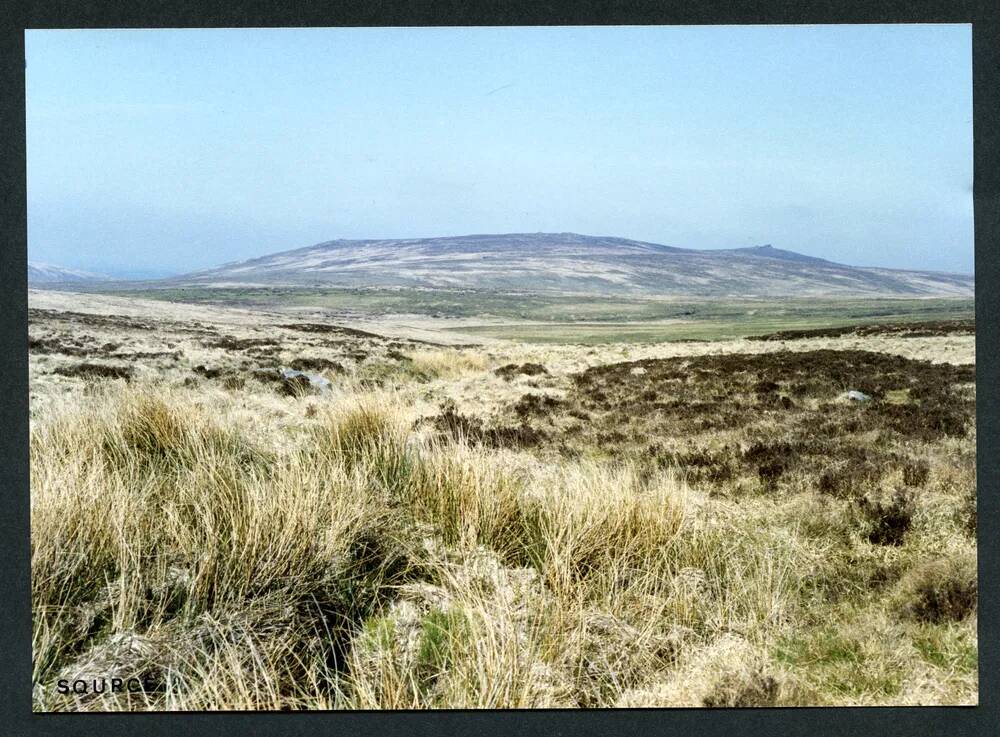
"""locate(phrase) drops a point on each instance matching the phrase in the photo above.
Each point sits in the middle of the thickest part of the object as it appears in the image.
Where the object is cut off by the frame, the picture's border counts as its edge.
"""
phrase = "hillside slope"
(567, 262)
(40, 273)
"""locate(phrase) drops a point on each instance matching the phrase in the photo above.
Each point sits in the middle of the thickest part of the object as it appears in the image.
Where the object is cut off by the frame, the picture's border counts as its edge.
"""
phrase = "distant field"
(705, 329)
(582, 319)
(433, 303)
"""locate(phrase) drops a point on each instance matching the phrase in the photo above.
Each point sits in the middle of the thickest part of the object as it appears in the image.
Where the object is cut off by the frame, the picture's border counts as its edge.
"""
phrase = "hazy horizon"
(156, 152)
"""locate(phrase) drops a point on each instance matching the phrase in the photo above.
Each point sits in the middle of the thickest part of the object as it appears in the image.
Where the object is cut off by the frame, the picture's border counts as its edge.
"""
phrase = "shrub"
(887, 521)
(915, 472)
(96, 371)
(511, 370)
(939, 591)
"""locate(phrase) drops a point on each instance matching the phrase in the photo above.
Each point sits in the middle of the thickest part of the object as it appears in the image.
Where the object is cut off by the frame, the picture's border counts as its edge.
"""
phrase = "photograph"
(501, 367)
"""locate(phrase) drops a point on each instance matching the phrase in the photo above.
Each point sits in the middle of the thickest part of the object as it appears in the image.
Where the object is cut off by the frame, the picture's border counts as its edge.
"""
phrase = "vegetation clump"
(943, 590)
(769, 422)
(916, 329)
(753, 689)
(316, 365)
(511, 370)
(96, 371)
(454, 425)
(888, 521)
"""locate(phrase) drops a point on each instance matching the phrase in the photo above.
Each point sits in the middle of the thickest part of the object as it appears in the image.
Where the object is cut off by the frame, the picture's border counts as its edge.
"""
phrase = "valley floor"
(466, 521)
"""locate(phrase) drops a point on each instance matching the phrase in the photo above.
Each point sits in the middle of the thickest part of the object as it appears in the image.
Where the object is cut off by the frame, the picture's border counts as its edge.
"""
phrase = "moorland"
(500, 499)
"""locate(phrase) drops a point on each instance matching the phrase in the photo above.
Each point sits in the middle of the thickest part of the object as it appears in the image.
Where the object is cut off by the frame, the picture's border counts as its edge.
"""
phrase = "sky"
(153, 152)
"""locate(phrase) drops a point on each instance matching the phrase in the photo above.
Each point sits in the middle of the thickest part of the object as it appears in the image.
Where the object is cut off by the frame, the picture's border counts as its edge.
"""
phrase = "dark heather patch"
(759, 689)
(316, 365)
(41, 346)
(209, 372)
(238, 344)
(925, 329)
(81, 318)
(96, 371)
(890, 520)
(787, 426)
(535, 405)
(450, 424)
(307, 327)
(140, 355)
(940, 591)
(511, 370)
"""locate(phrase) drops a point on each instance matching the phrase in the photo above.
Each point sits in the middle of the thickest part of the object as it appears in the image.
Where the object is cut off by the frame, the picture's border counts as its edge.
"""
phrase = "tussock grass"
(447, 364)
(343, 560)
(940, 590)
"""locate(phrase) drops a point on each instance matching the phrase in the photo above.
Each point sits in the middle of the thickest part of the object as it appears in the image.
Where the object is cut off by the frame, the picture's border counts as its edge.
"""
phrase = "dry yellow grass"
(242, 549)
(447, 364)
(356, 566)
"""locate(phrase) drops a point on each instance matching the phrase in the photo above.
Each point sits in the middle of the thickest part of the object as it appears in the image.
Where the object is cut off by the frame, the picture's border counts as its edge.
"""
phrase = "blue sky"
(161, 151)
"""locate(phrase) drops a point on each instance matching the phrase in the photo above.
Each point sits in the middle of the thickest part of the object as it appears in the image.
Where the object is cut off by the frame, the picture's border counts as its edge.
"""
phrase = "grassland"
(578, 319)
(510, 525)
(586, 333)
(694, 321)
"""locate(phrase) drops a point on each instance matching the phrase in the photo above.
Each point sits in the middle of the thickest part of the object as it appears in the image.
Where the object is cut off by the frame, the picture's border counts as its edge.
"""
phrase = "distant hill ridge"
(41, 273)
(573, 263)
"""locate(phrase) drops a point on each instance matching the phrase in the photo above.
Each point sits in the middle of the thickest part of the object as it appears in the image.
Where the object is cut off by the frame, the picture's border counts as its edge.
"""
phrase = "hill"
(40, 273)
(571, 263)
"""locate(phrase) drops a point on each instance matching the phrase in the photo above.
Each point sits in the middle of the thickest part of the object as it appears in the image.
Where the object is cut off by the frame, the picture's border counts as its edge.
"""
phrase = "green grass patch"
(579, 319)
(842, 665)
(440, 632)
(949, 648)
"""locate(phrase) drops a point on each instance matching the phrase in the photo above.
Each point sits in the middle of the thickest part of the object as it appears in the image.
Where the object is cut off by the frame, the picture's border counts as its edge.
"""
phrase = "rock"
(127, 656)
(295, 378)
(857, 396)
(637, 371)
